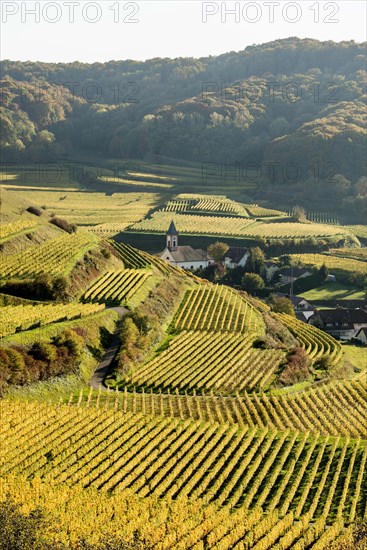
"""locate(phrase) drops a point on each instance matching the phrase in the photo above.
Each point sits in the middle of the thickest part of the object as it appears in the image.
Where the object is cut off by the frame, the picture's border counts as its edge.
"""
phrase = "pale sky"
(83, 30)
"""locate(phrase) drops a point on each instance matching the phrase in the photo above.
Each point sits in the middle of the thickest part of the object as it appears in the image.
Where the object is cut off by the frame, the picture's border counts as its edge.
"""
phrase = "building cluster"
(342, 323)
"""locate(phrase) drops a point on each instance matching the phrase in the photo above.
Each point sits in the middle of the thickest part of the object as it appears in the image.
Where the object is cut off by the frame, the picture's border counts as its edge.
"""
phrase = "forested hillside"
(289, 102)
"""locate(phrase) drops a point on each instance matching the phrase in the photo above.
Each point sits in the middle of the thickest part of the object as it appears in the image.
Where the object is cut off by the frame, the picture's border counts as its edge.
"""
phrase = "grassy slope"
(334, 291)
(357, 357)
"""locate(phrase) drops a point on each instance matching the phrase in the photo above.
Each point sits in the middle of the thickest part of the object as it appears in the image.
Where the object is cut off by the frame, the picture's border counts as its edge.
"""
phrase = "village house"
(291, 274)
(341, 323)
(236, 256)
(183, 256)
(361, 336)
(302, 308)
(270, 269)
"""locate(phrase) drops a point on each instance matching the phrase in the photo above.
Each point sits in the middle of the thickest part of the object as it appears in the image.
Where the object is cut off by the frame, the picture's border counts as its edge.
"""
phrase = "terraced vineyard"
(132, 258)
(117, 286)
(204, 361)
(335, 264)
(56, 257)
(194, 224)
(260, 212)
(235, 226)
(178, 524)
(137, 259)
(178, 204)
(217, 308)
(204, 203)
(334, 409)
(359, 231)
(215, 204)
(9, 229)
(17, 318)
(249, 467)
(93, 209)
(354, 253)
(314, 341)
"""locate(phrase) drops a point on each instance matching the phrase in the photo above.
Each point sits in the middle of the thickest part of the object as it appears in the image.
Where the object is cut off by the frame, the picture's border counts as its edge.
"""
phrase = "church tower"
(172, 237)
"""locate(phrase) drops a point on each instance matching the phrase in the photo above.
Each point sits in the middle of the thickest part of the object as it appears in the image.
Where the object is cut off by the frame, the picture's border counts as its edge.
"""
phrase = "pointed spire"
(172, 237)
(172, 229)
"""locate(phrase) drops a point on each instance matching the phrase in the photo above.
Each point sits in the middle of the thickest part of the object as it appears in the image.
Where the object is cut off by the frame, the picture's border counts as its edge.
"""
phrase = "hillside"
(218, 427)
(292, 101)
(148, 406)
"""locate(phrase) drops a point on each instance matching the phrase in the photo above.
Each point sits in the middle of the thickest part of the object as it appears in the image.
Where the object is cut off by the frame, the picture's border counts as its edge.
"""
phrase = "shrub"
(20, 531)
(34, 210)
(297, 369)
(43, 288)
(71, 341)
(63, 224)
(43, 352)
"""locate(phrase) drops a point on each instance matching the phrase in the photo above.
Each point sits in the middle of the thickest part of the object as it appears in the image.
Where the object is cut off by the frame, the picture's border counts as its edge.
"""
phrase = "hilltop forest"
(298, 103)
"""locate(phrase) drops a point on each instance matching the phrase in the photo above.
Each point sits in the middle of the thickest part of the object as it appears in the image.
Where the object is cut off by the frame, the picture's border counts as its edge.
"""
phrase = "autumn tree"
(217, 250)
(252, 281)
(299, 213)
(281, 304)
(256, 260)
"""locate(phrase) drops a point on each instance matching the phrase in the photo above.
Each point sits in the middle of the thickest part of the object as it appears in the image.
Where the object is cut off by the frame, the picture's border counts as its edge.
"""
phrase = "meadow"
(334, 291)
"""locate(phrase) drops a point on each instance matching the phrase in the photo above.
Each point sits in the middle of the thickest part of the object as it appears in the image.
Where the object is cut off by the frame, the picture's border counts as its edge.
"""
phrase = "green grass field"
(334, 291)
(357, 356)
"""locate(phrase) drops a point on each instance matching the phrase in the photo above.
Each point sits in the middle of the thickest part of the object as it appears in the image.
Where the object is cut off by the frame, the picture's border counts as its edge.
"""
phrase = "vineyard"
(235, 226)
(353, 253)
(217, 204)
(334, 264)
(18, 318)
(323, 217)
(179, 524)
(56, 257)
(117, 286)
(204, 361)
(138, 259)
(217, 308)
(9, 229)
(282, 472)
(132, 258)
(93, 209)
(315, 342)
(257, 211)
(359, 231)
(333, 409)
(194, 224)
(204, 203)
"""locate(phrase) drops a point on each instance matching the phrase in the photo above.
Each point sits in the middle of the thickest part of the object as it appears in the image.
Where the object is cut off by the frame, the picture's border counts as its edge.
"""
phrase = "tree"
(255, 261)
(212, 272)
(217, 250)
(299, 213)
(281, 304)
(323, 273)
(252, 281)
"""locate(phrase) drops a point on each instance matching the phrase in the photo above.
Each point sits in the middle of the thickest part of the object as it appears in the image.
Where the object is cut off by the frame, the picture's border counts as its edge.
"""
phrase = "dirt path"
(104, 366)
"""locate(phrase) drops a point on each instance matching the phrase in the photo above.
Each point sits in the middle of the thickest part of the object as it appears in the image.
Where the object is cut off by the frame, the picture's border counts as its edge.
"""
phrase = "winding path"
(97, 380)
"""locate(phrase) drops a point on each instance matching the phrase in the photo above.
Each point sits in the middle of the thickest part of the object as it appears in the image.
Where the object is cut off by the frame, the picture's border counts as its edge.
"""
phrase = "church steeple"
(172, 237)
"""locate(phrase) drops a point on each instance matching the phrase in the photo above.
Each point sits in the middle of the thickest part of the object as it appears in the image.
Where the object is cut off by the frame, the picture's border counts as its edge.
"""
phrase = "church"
(183, 256)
